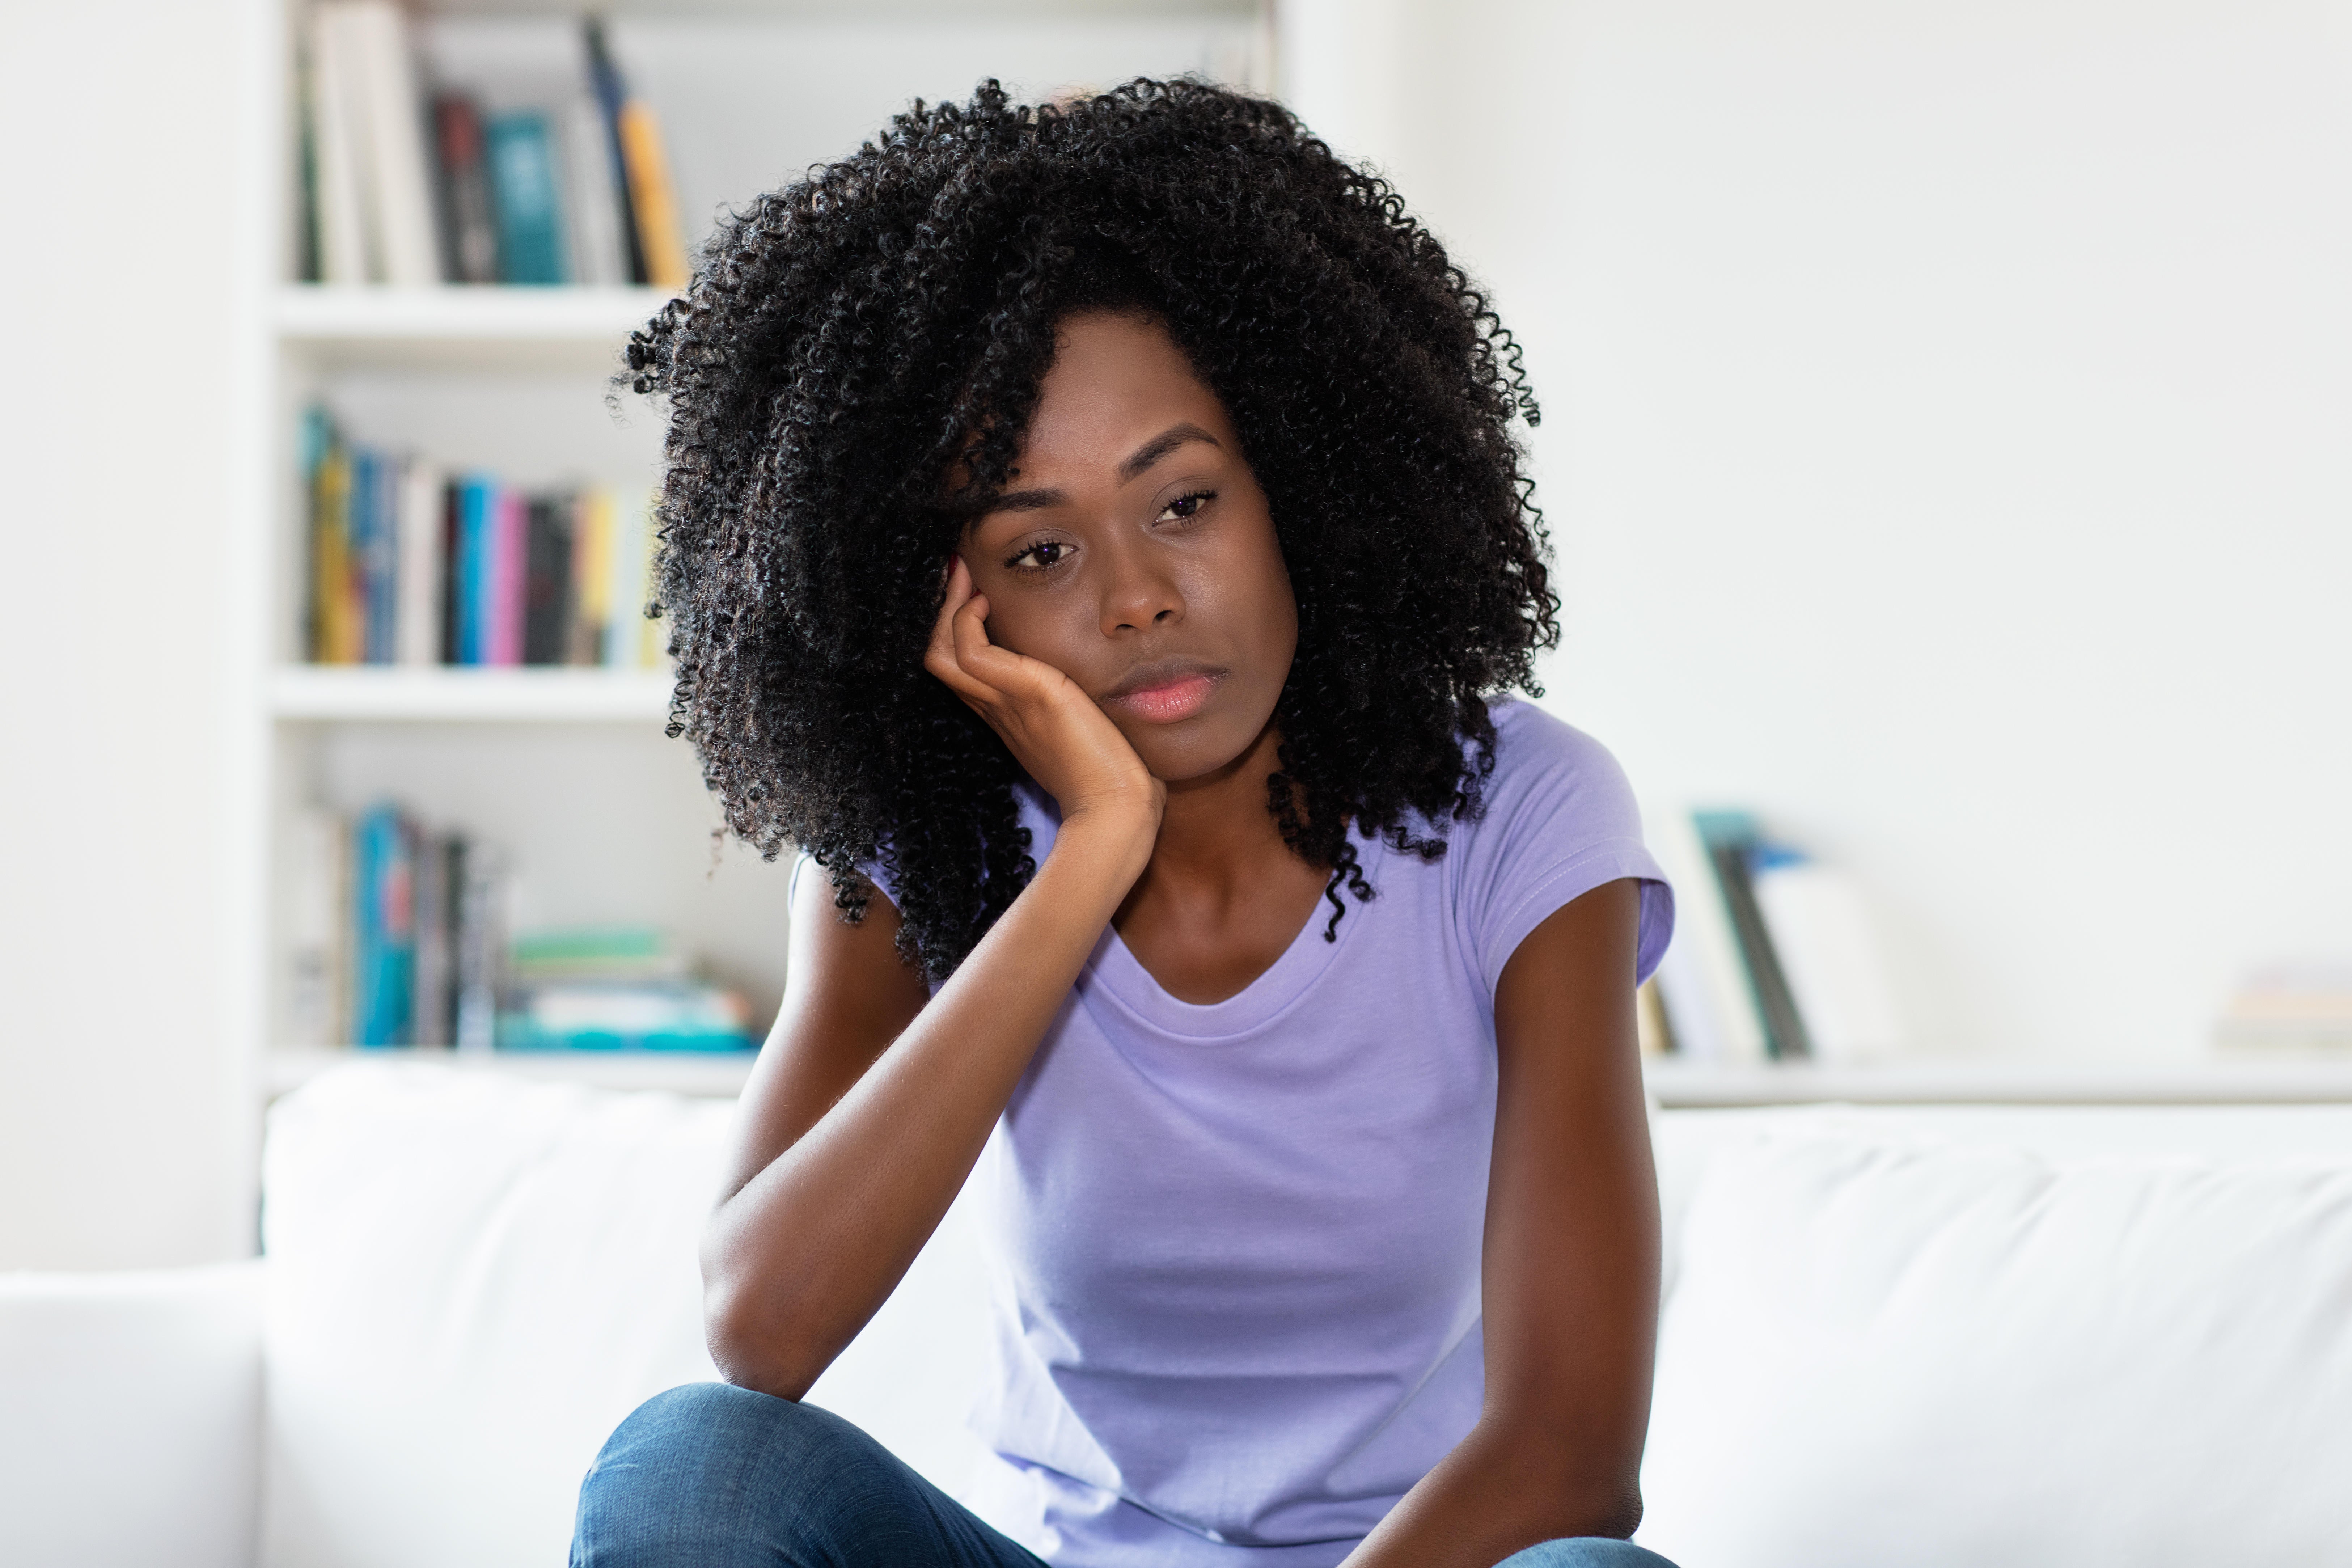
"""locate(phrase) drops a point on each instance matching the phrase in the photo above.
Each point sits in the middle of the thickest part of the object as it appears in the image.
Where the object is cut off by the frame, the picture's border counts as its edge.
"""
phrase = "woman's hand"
(1052, 727)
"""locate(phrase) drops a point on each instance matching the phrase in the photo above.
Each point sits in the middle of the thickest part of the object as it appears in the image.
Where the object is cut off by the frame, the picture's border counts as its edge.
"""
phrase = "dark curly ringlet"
(849, 340)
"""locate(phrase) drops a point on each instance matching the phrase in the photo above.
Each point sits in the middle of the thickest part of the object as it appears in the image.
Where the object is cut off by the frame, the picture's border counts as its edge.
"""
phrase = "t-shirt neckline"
(1116, 971)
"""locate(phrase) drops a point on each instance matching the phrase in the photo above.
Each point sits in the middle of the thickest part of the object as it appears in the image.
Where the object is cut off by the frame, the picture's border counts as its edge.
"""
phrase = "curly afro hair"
(852, 340)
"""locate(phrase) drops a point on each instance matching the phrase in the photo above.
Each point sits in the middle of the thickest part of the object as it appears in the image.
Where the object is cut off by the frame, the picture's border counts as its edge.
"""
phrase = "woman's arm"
(1570, 1272)
(865, 1111)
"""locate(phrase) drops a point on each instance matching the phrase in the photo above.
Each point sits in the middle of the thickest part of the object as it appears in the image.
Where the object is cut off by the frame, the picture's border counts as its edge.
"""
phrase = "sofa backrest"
(473, 1279)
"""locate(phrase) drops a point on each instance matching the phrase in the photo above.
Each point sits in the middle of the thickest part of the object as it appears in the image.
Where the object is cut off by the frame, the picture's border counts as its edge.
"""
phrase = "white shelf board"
(2251, 1080)
(377, 693)
(1679, 1086)
(484, 327)
(713, 1075)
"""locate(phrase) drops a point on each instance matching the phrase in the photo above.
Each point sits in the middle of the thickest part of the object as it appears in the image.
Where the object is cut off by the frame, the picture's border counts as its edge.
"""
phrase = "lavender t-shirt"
(1234, 1248)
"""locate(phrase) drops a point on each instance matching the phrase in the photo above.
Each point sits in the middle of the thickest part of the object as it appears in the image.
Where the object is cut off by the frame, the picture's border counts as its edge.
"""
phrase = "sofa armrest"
(132, 1433)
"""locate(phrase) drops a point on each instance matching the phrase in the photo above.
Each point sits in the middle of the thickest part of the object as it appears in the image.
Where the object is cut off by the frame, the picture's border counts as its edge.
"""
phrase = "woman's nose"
(1139, 594)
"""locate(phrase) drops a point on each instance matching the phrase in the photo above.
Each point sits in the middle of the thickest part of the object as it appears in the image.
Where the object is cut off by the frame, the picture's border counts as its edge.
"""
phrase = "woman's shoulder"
(1540, 757)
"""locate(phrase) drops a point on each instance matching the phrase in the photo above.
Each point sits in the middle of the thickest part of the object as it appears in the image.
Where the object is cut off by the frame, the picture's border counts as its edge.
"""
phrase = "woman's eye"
(1186, 505)
(1042, 556)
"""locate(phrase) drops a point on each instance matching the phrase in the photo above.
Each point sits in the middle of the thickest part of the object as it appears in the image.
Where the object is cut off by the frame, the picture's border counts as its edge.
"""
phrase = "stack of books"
(616, 988)
(410, 186)
(410, 564)
(1775, 955)
(399, 937)
(2304, 1005)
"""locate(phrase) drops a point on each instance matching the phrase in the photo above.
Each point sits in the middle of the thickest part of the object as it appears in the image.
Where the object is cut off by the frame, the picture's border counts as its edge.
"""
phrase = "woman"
(1094, 536)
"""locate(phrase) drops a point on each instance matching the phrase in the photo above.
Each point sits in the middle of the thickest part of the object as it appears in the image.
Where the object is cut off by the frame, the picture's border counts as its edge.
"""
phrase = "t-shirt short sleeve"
(1560, 821)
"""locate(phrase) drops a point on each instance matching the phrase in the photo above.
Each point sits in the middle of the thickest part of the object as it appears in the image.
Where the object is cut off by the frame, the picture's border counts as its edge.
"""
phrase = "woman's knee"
(1585, 1551)
(712, 1476)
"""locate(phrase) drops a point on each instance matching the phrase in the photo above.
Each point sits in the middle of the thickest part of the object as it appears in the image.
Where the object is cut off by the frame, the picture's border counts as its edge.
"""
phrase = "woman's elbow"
(750, 1343)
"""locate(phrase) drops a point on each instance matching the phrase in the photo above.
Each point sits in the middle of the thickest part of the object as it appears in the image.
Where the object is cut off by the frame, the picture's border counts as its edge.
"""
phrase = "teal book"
(522, 157)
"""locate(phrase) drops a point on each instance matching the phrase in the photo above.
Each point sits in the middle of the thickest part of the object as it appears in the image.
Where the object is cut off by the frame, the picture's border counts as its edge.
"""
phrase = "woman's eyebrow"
(1159, 446)
(1135, 463)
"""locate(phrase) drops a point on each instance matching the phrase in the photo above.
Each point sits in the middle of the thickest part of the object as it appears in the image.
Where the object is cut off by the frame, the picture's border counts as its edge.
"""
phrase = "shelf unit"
(568, 769)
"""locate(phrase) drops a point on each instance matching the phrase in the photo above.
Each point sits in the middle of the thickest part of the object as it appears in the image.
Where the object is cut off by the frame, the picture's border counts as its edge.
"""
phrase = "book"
(2301, 1004)
(469, 223)
(597, 257)
(547, 579)
(393, 162)
(629, 637)
(1823, 933)
(606, 87)
(505, 581)
(432, 975)
(651, 198)
(1710, 1007)
(338, 220)
(1731, 840)
(415, 605)
(520, 152)
(315, 902)
(477, 942)
(383, 928)
(335, 621)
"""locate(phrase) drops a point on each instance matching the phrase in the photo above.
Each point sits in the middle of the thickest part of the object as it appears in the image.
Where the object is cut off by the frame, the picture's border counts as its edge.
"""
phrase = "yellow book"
(652, 197)
(591, 577)
(335, 629)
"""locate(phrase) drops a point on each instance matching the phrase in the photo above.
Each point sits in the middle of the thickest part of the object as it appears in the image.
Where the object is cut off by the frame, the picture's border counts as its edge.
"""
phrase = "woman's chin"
(1195, 751)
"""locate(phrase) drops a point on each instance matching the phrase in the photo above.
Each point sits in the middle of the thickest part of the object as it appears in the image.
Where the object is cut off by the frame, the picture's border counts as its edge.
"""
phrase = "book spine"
(523, 185)
(653, 197)
(380, 577)
(453, 570)
(594, 231)
(469, 227)
(334, 595)
(367, 937)
(477, 508)
(591, 576)
(428, 1021)
(314, 928)
(343, 244)
(416, 596)
(395, 160)
(479, 944)
(1730, 838)
(611, 93)
(547, 579)
(1703, 980)
(506, 578)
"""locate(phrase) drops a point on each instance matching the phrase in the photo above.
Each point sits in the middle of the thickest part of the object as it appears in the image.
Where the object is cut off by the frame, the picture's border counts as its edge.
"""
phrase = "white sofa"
(1892, 1339)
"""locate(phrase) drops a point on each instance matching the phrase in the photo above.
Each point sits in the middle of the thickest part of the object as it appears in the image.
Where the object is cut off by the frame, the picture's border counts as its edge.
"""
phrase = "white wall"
(1948, 410)
(124, 1121)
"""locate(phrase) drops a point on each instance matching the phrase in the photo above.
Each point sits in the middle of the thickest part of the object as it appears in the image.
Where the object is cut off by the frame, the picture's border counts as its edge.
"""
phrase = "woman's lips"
(1169, 700)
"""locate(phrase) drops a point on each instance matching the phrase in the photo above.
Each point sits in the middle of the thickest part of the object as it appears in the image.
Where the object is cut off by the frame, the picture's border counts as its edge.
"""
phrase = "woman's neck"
(1222, 895)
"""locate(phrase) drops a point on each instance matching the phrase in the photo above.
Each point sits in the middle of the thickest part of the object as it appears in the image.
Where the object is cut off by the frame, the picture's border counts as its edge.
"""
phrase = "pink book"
(507, 579)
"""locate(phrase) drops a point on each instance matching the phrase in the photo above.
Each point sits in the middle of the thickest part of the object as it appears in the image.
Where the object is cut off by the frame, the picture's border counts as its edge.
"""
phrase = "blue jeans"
(711, 1476)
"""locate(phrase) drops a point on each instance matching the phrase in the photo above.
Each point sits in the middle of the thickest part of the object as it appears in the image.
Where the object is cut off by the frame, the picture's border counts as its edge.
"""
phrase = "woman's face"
(1133, 551)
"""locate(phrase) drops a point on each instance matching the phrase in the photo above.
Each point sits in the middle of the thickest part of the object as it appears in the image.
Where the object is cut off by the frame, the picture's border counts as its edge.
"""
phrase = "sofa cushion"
(473, 1279)
(131, 1418)
(1894, 1350)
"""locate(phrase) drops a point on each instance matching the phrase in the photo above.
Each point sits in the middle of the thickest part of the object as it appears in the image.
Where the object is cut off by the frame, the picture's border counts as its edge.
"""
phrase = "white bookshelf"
(567, 769)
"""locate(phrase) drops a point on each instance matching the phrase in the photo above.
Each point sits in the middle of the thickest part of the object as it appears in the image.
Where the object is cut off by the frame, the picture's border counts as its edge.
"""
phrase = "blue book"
(521, 158)
(382, 559)
(476, 504)
(383, 947)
